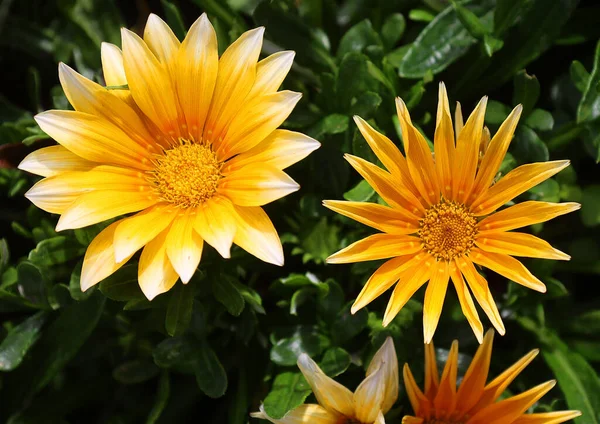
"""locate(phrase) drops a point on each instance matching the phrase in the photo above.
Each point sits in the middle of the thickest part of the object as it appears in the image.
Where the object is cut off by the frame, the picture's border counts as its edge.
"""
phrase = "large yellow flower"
(475, 401)
(440, 218)
(185, 137)
(337, 405)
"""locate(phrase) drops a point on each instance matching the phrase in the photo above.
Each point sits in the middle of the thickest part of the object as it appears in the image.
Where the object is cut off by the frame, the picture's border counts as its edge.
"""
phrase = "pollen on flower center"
(448, 230)
(187, 175)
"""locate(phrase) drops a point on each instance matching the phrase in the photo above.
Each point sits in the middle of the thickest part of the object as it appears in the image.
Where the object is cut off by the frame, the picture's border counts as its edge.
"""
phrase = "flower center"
(187, 175)
(448, 230)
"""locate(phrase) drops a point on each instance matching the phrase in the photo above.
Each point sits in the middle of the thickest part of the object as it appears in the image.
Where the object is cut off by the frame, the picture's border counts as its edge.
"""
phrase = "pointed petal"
(420, 404)
(377, 246)
(155, 273)
(466, 302)
(518, 244)
(383, 218)
(387, 359)
(216, 224)
(517, 181)
(508, 267)
(444, 143)
(432, 377)
(99, 261)
(329, 393)
(303, 414)
(458, 120)
(256, 185)
(53, 160)
(445, 398)
(160, 39)
(471, 387)
(407, 419)
(112, 64)
(524, 214)
(256, 235)
(434, 298)
(380, 418)
(184, 246)
(369, 395)
(548, 417)
(270, 73)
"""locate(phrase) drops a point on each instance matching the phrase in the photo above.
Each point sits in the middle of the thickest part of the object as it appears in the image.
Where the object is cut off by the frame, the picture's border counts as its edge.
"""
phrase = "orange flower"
(441, 220)
(474, 402)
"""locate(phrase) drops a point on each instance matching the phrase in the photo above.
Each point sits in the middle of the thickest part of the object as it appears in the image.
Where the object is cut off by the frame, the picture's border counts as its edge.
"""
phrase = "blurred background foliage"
(212, 350)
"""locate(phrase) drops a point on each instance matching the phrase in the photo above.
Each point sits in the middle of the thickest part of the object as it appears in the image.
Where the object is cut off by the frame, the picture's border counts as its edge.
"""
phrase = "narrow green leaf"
(210, 375)
(392, 30)
(226, 292)
(179, 310)
(289, 390)
(589, 106)
(420, 15)
(506, 14)
(470, 21)
(526, 91)
(19, 340)
(579, 75)
(162, 398)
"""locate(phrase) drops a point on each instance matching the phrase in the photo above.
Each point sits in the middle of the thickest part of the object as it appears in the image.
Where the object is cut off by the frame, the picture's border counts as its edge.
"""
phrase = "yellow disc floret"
(187, 175)
(448, 230)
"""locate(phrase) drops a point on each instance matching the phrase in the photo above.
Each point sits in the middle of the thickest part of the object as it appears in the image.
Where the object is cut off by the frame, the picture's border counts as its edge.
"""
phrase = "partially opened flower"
(441, 220)
(185, 138)
(338, 405)
(475, 402)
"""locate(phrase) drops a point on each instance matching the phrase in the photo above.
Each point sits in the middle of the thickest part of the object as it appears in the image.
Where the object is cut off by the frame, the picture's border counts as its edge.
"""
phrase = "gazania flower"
(338, 405)
(441, 220)
(185, 138)
(474, 402)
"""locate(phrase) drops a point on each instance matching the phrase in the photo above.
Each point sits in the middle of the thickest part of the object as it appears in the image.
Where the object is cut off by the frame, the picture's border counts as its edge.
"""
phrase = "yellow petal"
(382, 279)
(99, 261)
(270, 73)
(377, 246)
(256, 185)
(518, 244)
(135, 232)
(508, 267)
(160, 39)
(490, 164)
(156, 275)
(97, 206)
(380, 418)
(112, 65)
(303, 414)
(282, 148)
(386, 358)
(547, 417)
(196, 73)
(432, 376)
(383, 218)
(466, 302)
(459, 123)
(256, 235)
(444, 143)
(517, 181)
(216, 224)
(93, 138)
(434, 298)
(526, 213)
(237, 73)
(255, 121)
(420, 404)
(184, 246)
(407, 419)
(330, 394)
(467, 153)
(445, 398)
(370, 395)
(472, 384)
(53, 160)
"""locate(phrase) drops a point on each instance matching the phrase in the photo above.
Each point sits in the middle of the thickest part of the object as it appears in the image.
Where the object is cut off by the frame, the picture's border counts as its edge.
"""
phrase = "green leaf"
(210, 375)
(331, 124)
(579, 75)
(251, 297)
(540, 119)
(19, 340)
(392, 30)
(4, 255)
(420, 15)
(548, 191)
(470, 21)
(348, 325)
(361, 192)
(55, 250)
(173, 351)
(492, 44)
(330, 305)
(122, 285)
(75, 284)
(506, 14)
(590, 206)
(32, 284)
(586, 323)
(353, 79)
(526, 91)
(589, 106)
(162, 397)
(528, 147)
(289, 390)
(173, 18)
(299, 297)
(226, 292)
(135, 372)
(335, 361)
(179, 310)
(357, 38)
(322, 240)
(496, 112)
(304, 340)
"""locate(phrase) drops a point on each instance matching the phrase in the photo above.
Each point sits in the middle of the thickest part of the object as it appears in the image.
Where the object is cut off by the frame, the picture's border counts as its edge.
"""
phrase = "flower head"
(441, 220)
(184, 138)
(474, 402)
(338, 405)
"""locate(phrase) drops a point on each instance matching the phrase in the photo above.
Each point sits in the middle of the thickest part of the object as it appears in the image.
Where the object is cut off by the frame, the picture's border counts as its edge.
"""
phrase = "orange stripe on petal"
(377, 246)
(524, 214)
(383, 218)
(548, 417)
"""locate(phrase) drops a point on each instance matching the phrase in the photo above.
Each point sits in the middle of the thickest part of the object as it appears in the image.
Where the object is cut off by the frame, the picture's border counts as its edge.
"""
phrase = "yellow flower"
(475, 402)
(185, 138)
(338, 405)
(440, 220)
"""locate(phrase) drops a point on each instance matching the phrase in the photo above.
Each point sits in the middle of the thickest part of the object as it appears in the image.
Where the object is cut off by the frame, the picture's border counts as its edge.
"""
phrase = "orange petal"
(466, 302)
(256, 235)
(548, 417)
(524, 214)
(407, 419)
(518, 244)
(432, 376)
(444, 143)
(472, 384)
(156, 275)
(420, 404)
(377, 246)
(270, 73)
(434, 298)
(383, 218)
(53, 160)
(445, 399)
(459, 122)
(216, 224)
(184, 246)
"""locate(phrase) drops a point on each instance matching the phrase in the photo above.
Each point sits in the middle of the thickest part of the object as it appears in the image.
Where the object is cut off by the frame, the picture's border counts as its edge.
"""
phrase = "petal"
(216, 224)
(270, 73)
(459, 123)
(508, 267)
(490, 164)
(256, 235)
(467, 153)
(382, 279)
(410, 281)
(419, 157)
(97, 206)
(518, 244)
(407, 419)
(155, 273)
(53, 160)
(466, 302)
(377, 246)
(237, 73)
(282, 148)
(445, 398)
(444, 143)
(303, 414)
(481, 291)
(434, 298)
(420, 404)
(370, 395)
(112, 65)
(517, 181)
(256, 185)
(160, 39)
(99, 261)
(386, 358)
(472, 384)
(135, 232)
(329, 393)
(548, 417)
(184, 246)
(383, 218)
(196, 73)
(432, 376)
(255, 121)
(380, 418)
(524, 214)
(93, 138)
